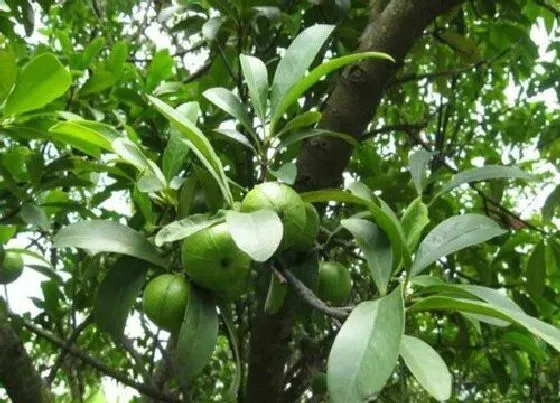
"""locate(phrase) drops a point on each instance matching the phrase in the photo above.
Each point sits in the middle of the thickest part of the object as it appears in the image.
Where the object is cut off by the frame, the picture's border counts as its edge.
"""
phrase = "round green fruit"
(165, 299)
(335, 283)
(213, 261)
(306, 239)
(287, 204)
(11, 267)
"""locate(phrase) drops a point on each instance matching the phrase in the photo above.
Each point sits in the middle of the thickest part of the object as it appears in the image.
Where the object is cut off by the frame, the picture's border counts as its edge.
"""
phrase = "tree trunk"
(322, 160)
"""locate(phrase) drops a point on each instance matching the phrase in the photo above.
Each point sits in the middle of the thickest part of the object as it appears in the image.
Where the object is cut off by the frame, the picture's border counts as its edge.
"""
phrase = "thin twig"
(308, 296)
(406, 127)
(94, 362)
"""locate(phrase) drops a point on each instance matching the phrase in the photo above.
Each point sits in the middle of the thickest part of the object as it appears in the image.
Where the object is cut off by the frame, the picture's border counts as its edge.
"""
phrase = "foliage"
(455, 296)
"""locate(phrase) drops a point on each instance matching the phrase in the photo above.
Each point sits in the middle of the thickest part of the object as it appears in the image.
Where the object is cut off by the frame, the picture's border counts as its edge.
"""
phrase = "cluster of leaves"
(93, 113)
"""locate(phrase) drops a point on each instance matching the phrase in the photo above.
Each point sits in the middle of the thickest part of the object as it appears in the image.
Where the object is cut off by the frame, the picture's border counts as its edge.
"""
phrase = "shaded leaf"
(36, 216)
(414, 221)
(417, 166)
(227, 101)
(184, 228)
(485, 173)
(286, 173)
(299, 136)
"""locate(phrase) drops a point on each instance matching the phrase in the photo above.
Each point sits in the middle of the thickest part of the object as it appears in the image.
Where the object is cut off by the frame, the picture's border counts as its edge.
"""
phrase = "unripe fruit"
(11, 267)
(287, 204)
(335, 283)
(213, 261)
(165, 299)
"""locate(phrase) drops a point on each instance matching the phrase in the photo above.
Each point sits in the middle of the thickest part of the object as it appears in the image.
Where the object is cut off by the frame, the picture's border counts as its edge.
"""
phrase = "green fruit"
(213, 261)
(165, 299)
(306, 239)
(11, 267)
(286, 202)
(335, 283)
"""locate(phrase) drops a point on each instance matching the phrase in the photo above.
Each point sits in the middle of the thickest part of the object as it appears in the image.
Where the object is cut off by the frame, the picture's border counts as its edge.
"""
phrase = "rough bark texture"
(322, 160)
(17, 374)
(360, 88)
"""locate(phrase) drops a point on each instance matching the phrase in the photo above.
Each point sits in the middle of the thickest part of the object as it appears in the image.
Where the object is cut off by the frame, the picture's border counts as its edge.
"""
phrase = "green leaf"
(197, 337)
(8, 73)
(258, 233)
(256, 76)
(417, 166)
(366, 349)
(184, 228)
(383, 216)
(414, 221)
(536, 270)
(427, 366)
(548, 333)
(275, 296)
(233, 341)
(117, 58)
(451, 235)
(376, 248)
(161, 68)
(174, 156)
(92, 50)
(85, 135)
(551, 204)
(36, 216)
(41, 81)
(293, 93)
(99, 81)
(7, 232)
(117, 294)
(527, 343)
(236, 136)
(199, 145)
(361, 190)
(107, 236)
(286, 173)
(306, 119)
(297, 59)
(228, 102)
(299, 136)
(485, 173)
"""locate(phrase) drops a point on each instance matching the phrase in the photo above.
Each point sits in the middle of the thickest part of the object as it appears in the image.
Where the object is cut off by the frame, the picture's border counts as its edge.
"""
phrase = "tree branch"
(406, 127)
(17, 373)
(94, 362)
(309, 297)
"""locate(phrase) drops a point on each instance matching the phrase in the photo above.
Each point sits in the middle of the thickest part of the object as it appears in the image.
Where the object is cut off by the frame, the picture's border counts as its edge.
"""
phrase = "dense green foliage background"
(477, 88)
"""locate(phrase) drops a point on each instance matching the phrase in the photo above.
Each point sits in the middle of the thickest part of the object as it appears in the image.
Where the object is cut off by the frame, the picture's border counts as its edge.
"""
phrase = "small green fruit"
(287, 204)
(11, 267)
(335, 283)
(213, 261)
(165, 299)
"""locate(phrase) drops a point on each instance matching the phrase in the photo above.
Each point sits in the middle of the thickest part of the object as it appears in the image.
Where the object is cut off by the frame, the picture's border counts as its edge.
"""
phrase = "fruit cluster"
(212, 261)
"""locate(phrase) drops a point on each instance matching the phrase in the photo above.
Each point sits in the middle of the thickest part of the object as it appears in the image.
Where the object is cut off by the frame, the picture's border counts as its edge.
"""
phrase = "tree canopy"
(325, 200)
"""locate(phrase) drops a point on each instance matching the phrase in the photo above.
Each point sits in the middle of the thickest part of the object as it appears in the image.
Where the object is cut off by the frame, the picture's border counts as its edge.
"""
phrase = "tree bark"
(350, 108)
(17, 373)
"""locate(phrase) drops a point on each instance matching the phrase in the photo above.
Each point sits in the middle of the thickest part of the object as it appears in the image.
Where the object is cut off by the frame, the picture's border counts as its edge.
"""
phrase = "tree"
(415, 134)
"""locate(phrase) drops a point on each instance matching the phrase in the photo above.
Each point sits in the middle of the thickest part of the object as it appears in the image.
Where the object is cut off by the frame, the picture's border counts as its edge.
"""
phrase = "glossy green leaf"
(414, 221)
(548, 333)
(485, 173)
(107, 236)
(306, 119)
(451, 235)
(7, 232)
(197, 337)
(366, 349)
(299, 136)
(526, 343)
(417, 166)
(199, 145)
(256, 76)
(117, 294)
(236, 136)
(536, 270)
(228, 102)
(258, 233)
(184, 228)
(161, 68)
(117, 57)
(8, 73)
(36, 216)
(85, 135)
(297, 59)
(361, 190)
(41, 81)
(376, 248)
(100, 80)
(286, 173)
(174, 156)
(92, 50)
(299, 87)
(427, 366)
